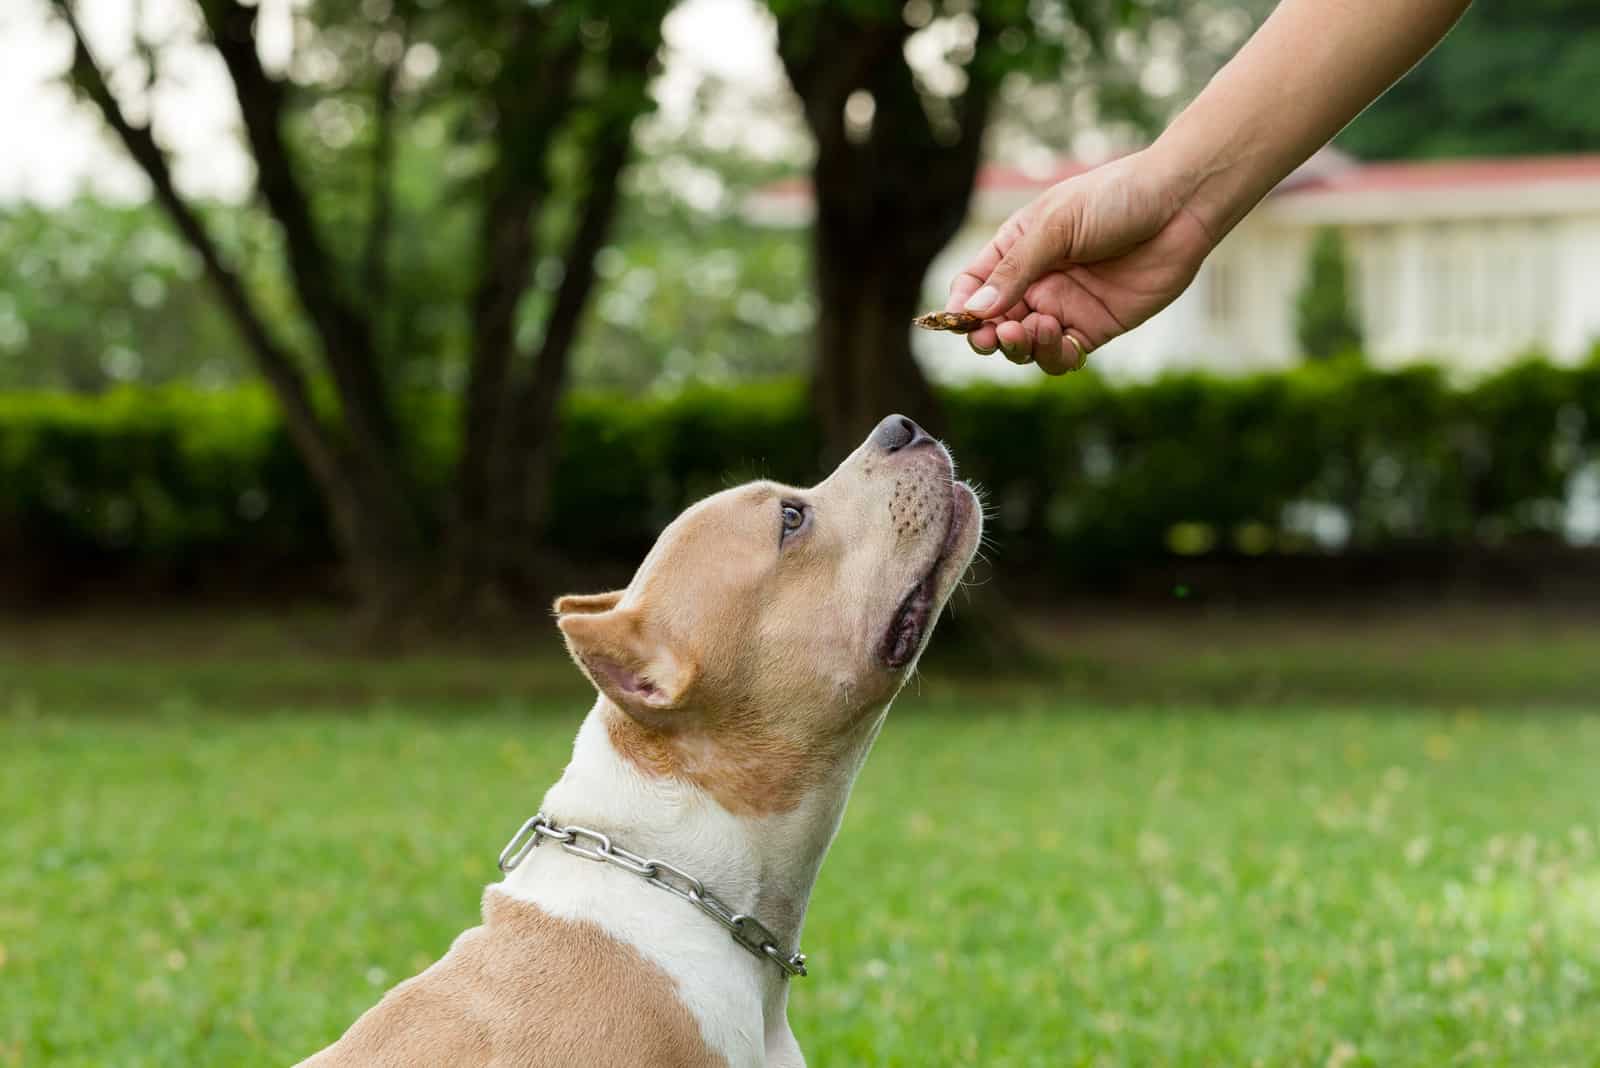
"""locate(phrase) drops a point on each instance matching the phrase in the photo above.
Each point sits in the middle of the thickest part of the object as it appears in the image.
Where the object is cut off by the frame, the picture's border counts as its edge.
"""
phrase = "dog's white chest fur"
(765, 866)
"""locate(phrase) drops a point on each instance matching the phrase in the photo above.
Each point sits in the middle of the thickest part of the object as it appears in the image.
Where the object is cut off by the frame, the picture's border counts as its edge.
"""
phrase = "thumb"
(1028, 256)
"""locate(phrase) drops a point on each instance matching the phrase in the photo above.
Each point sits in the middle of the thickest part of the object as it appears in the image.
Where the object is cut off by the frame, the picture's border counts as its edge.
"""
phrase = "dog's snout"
(898, 432)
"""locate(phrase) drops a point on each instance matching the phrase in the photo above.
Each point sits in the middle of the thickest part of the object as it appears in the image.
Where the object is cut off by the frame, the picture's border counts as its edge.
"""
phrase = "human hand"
(1088, 259)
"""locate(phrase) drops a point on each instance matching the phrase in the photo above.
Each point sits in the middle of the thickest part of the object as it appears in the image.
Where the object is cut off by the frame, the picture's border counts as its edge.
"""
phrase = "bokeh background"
(336, 336)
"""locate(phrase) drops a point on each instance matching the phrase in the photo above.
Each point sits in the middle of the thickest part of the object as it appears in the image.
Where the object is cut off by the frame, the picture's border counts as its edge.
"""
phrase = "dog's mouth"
(915, 616)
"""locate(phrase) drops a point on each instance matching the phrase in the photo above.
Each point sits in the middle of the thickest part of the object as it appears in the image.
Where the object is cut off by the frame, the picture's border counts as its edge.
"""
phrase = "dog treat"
(954, 322)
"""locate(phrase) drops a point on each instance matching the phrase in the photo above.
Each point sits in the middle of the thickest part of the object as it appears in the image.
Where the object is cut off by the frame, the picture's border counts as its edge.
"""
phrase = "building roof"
(1329, 171)
(1447, 174)
(1331, 187)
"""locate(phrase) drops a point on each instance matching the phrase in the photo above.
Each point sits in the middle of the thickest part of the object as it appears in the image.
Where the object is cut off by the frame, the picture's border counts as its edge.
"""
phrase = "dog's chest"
(716, 982)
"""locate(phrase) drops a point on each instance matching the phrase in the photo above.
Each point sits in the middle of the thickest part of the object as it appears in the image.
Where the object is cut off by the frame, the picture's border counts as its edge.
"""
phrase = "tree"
(690, 290)
(897, 97)
(1513, 77)
(1325, 321)
(537, 101)
(890, 183)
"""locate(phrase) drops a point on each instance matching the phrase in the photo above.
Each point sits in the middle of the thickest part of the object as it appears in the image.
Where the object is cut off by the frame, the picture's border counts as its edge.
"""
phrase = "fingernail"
(982, 299)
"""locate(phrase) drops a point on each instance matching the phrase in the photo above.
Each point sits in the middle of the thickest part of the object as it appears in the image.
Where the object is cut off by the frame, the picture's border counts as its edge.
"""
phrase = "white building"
(1469, 263)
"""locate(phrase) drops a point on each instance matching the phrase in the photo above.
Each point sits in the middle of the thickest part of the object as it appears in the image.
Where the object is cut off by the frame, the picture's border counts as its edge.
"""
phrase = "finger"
(983, 340)
(1079, 354)
(997, 275)
(1042, 239)
(1047, 346)
(971, 277)
(961, 288)
(1016, 341)
(1069, 302)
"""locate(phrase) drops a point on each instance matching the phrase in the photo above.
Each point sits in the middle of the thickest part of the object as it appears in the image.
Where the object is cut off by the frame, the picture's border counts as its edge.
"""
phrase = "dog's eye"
(794, 517)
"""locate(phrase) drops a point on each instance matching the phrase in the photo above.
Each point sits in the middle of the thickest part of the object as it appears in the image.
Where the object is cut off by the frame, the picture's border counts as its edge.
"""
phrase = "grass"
(1191, 845)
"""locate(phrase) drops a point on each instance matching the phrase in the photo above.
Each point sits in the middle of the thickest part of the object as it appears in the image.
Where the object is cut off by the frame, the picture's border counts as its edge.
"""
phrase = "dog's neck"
(763, 865)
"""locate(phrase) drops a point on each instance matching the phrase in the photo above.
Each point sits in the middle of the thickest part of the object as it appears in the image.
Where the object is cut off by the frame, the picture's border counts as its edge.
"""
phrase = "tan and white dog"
(742, 677)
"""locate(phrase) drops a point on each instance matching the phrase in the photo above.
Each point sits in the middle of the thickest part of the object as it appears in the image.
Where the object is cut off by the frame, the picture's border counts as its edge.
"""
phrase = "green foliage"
(1325, 317)
(1514, 77)
(691, 297)
(1083, 481)
(96, 295)
(92, 295)
(160, 476)
(433, 73)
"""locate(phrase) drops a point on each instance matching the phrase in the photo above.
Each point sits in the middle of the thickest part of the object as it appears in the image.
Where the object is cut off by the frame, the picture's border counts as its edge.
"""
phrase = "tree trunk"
(371, 524)
(387, 532)
(890, 192)
(533, 98)
(864, 368)
(534, 436)
(512, 416)
(507, 258)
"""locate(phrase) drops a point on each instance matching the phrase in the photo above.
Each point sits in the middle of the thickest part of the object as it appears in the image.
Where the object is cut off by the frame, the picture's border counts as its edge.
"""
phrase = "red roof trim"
(1358, 178)
(1455, 174)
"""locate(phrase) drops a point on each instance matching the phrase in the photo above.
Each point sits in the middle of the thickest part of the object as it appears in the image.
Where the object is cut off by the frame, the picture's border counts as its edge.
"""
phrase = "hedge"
(1081, 477)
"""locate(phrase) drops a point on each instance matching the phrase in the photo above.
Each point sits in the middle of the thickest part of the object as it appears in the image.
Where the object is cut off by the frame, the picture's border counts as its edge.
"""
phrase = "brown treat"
(955, 322)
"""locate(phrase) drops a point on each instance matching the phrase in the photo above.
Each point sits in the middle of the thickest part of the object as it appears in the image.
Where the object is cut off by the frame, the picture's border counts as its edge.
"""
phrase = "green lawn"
(226, 859)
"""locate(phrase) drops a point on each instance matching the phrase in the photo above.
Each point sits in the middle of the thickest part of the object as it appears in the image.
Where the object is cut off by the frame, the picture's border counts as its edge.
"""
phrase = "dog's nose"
(897, 432)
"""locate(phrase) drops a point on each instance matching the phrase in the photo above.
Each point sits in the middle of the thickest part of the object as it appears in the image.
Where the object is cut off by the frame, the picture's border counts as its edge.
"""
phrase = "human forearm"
(1098, 254)
(1310, 69)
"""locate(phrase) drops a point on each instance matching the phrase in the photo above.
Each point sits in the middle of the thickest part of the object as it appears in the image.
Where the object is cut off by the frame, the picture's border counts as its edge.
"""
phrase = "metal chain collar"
(748, 931)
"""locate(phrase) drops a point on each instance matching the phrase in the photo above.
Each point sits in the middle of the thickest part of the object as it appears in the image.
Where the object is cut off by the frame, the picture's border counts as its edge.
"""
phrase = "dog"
(742, 676)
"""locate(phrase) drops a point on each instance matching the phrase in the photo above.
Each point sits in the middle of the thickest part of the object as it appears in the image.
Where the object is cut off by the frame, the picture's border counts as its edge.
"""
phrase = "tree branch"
(345, 334)
(530, 440)
(501, 498)
(533, 98)
(276, 366)
(380, 221)
(536, 396)
(375, 250)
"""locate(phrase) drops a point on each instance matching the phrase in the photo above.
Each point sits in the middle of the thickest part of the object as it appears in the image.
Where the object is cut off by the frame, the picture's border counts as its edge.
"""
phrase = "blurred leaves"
(1514, 77)
(93, 295)
(1325, 320)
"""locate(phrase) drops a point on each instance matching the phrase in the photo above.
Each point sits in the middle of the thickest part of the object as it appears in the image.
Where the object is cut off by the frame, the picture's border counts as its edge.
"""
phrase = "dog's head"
(769, 623)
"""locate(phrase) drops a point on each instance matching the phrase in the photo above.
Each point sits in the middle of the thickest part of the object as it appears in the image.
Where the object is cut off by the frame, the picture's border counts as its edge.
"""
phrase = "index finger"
(985, 339)
(980, 267)
(971, 278)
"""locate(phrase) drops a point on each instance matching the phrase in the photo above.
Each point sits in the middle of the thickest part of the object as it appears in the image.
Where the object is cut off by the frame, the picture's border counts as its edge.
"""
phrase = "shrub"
(1325, 319)
(1083, 479)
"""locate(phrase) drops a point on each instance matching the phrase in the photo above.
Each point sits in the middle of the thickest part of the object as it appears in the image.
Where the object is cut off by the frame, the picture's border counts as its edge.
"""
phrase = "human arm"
(1100, 253)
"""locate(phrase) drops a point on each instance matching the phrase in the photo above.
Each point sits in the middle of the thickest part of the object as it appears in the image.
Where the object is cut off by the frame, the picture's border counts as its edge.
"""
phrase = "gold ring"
(1083, 353)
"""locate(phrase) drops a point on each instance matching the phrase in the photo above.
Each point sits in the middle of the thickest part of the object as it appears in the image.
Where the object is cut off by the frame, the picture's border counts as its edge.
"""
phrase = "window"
(1376, 269)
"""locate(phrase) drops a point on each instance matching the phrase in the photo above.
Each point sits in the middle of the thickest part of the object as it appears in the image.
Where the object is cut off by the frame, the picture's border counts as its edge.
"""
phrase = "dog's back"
(527, 989)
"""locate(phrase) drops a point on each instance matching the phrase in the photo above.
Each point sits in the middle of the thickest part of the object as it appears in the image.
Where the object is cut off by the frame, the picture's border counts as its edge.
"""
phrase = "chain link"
(746, 930)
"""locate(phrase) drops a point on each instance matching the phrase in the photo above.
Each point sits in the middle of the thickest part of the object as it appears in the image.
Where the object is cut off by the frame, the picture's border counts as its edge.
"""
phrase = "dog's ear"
(628, 660)
(587, 602)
